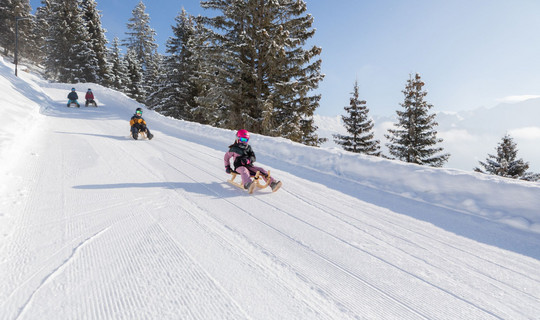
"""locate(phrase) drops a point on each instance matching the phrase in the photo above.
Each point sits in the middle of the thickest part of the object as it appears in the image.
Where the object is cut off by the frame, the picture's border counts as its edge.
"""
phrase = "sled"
(73, 105)
(91, 104)
(258, 181)
(142, 136)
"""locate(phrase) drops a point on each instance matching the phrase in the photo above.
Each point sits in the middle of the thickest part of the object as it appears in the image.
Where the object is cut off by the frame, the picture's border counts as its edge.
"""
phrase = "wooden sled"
(257, 181)
(142, 135)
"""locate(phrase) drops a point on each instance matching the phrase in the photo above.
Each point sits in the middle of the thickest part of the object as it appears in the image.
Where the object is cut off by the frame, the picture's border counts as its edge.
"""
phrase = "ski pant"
(90, 101)
(136, 128)
(246, 172)
(73, 101)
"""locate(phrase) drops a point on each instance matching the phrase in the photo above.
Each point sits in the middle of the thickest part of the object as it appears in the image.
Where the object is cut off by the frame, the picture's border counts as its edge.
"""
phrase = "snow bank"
(508, 201)
(20, 104)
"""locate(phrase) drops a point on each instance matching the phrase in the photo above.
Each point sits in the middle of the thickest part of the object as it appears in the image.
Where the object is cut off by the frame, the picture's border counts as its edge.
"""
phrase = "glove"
(228, 169)
(245, 161)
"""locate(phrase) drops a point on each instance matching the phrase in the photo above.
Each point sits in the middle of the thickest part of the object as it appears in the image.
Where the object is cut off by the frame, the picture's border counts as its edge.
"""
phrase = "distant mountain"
(469, 136)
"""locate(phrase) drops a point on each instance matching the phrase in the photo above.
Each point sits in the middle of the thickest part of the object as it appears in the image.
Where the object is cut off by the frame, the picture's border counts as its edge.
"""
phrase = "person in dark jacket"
(72, 98)
(138, 124)
(89, 98)
(243, 158)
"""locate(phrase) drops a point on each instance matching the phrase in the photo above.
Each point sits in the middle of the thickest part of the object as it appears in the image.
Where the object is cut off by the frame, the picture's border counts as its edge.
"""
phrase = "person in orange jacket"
(138, 124)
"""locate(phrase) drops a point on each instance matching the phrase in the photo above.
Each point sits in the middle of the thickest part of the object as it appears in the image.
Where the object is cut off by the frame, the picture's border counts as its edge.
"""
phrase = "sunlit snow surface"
(94, 225)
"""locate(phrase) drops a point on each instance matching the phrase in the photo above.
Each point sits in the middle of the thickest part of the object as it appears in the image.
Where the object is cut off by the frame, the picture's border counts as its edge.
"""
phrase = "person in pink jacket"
(89, 98)
(243, 157)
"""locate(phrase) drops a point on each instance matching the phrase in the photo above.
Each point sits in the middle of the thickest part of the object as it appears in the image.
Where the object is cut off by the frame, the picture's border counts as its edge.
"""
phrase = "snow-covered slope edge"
(508, 201)
(499, 199)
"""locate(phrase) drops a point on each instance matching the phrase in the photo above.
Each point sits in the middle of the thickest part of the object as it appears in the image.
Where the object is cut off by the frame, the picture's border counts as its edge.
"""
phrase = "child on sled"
(243, 158)
(138, 125)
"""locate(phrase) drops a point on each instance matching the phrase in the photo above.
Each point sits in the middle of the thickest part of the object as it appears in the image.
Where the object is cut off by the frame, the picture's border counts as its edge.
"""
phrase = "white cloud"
(513, 99)
(458, 135)
(526, 133)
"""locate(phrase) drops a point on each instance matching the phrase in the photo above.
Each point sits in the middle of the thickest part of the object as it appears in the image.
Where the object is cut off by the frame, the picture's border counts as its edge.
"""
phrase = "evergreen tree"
(265, 75)
(69, 57)
(140, 38)
(152, 74)
(134, 87)
(97, 43)
(141, 44)
(414, 138)
(360, 128)
(118, 75)
(40, 32)
(505, 164)
(9, 10)
(173, 93)
(209, 79)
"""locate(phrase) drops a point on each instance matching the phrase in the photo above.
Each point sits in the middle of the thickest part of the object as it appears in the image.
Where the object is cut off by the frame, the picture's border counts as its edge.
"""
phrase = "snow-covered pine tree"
(173, 93)
(414, 139)
(118, 74)
(153, 71)
(40, 32)
(141, 37)
(269, 74)
(141, 42)
(69, 57)
(9, 10)
(360, 128)
(134, 87)
(506, 164)
(98, 41)
(211, 78)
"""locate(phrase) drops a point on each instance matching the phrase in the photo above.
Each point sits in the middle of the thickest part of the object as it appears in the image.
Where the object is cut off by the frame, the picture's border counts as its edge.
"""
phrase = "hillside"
(95, 225)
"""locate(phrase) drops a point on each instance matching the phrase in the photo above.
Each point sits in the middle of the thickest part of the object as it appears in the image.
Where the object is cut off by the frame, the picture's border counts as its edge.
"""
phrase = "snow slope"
(94, 225)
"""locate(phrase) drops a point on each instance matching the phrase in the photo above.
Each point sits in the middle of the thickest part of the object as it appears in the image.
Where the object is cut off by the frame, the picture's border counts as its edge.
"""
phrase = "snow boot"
(275, 185)
(249, 186)
(150, 136)
(135, 135)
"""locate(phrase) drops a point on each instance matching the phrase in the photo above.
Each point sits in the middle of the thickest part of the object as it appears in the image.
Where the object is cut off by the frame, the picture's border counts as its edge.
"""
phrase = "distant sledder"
(138, 126)
(90, 98)
(243, 158)
(72, 99)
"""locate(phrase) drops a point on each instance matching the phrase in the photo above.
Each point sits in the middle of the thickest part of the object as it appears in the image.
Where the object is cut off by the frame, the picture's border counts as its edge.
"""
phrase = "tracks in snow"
(153, 231)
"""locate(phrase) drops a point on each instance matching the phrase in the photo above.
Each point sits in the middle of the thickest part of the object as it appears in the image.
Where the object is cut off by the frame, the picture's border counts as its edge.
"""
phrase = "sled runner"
(91, 104)
(141, 135)
(258, 182)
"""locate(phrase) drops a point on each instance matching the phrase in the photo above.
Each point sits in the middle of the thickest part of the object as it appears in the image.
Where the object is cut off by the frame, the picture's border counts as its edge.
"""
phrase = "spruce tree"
(40, 32)
(141, 43)
(360, 128)
(173, 93)
(97, 43)
(209, 79)
(9, 11)
(506, 164)
(141, 37)
(414, 140)
(266, 75)
(68, 57)
(134, 87)
(118, 69)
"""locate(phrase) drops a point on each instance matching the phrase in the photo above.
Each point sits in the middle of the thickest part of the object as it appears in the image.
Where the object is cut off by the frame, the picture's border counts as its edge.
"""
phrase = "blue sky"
(469, 53)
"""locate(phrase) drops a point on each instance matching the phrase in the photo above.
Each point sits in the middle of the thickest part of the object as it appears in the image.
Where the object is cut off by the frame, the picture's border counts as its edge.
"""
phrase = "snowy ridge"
(95, 225)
